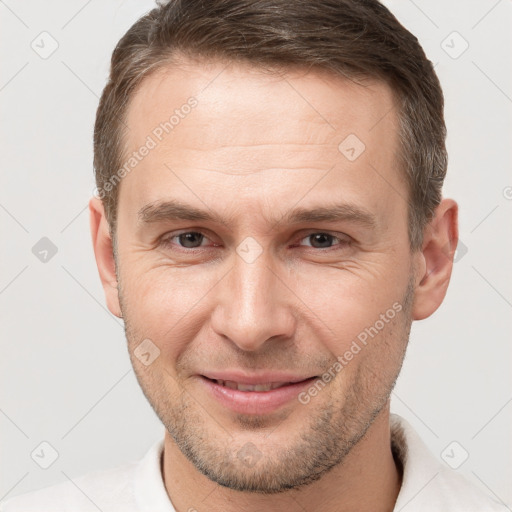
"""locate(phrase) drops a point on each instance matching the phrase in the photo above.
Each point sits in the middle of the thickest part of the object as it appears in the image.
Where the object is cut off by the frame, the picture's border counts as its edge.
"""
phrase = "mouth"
(231, 384)
(258, 397)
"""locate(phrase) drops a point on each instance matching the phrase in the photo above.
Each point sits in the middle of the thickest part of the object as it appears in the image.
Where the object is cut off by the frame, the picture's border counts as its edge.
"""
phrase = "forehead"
(226, 128)
(315, 105)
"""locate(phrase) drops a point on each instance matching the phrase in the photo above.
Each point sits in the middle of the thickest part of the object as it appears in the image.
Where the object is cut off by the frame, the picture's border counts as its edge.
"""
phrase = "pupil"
(322, 239)
(187, 239)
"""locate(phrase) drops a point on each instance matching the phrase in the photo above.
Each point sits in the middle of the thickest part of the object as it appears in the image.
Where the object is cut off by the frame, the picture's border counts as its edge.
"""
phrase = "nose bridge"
(253, 306)
(253, 287)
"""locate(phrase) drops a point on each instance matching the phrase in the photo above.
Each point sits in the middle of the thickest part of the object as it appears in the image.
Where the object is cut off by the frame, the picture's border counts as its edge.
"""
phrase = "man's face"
(257, 289)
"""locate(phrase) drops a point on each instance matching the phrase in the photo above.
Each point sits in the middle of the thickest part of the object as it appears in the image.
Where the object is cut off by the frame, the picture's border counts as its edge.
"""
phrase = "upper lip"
(254, 379)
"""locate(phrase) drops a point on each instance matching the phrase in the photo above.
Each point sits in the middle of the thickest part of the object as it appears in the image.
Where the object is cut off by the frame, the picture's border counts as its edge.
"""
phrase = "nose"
(253, 305)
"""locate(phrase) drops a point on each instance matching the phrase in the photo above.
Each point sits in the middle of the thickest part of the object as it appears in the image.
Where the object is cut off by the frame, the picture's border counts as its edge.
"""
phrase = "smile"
(256, 397)
(251, 387)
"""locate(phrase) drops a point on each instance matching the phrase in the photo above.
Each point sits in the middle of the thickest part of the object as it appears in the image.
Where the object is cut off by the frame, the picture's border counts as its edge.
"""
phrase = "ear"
(104, 253)
(436, 259)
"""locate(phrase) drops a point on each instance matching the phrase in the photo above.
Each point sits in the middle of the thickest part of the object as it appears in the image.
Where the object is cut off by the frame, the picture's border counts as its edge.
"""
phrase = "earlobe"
(439, 245)
(104, 254)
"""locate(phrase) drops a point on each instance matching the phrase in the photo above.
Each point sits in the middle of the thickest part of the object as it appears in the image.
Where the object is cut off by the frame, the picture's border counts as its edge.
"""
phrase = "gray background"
(65, 374)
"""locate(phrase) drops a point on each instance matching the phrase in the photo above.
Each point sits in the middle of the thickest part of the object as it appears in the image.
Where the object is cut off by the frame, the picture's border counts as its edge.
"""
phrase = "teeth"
(250, 387)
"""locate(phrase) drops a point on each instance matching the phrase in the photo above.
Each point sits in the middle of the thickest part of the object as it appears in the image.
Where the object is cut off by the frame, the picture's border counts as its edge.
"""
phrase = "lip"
(254, 402)
(259, 378)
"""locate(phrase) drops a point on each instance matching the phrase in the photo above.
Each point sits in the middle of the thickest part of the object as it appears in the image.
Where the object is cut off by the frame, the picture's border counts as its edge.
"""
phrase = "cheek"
(346, 304)
(369, 360)
(164, 305)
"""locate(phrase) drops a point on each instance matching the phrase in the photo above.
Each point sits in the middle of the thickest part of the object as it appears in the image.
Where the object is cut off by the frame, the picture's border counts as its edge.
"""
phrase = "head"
(269, 178)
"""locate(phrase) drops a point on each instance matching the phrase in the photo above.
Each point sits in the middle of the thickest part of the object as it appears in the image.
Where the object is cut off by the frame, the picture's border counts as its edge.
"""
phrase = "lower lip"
(255, 402)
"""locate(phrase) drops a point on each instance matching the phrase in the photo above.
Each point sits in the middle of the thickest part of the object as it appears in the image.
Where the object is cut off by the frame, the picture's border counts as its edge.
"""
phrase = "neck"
(367, 480)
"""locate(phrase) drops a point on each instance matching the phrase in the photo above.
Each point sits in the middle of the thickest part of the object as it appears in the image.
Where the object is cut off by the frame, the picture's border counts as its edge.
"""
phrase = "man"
(269, 222)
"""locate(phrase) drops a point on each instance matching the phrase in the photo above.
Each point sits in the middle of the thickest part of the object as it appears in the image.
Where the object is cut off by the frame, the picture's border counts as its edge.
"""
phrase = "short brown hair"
(357, 39)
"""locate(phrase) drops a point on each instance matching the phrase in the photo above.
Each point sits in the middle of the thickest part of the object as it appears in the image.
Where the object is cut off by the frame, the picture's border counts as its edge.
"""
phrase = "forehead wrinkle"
(262, 169)
(262, 145)
(246, 159)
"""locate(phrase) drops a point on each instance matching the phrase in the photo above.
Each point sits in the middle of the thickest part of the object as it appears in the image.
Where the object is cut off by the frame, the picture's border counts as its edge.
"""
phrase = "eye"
(186, 240)
(322, 240)
(196, 240)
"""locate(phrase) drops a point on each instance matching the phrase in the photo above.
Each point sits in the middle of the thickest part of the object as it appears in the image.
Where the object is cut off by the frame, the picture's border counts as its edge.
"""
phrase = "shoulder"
(457, 493)
(427, 484)
(106, 490)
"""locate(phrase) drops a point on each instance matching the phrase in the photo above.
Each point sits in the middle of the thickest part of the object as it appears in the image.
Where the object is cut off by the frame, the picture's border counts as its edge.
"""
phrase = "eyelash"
(166, 241)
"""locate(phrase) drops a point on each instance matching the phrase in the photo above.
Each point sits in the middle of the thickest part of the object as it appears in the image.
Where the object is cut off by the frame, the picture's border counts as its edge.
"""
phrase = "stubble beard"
(323, 443)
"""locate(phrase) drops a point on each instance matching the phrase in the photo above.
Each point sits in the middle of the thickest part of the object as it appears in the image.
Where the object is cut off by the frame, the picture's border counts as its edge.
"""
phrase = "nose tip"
(253, 307)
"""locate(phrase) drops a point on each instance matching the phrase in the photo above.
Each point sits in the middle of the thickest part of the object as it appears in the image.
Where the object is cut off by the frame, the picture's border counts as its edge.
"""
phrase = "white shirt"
(428, 485)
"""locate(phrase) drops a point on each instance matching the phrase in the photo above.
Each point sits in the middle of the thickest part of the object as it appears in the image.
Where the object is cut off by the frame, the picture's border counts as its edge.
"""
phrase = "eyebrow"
(169, 210)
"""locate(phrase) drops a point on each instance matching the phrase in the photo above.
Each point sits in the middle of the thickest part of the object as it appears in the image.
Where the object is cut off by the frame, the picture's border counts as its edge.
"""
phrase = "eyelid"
(167, 237)
(341, 237)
